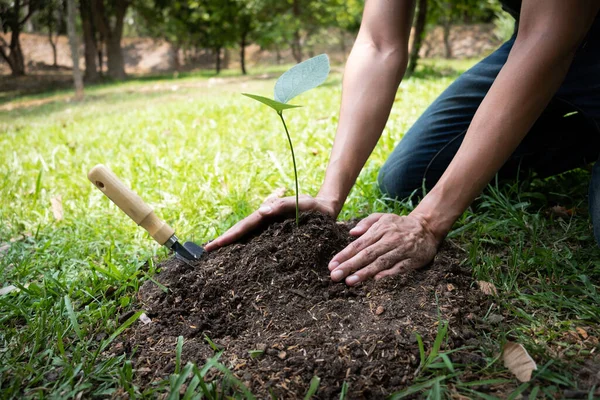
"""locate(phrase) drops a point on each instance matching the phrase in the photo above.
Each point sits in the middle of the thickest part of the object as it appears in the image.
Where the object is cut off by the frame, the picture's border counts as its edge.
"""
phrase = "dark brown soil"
(273, 293)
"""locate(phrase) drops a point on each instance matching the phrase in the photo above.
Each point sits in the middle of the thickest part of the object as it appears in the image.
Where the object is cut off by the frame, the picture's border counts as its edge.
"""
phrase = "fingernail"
(333, 265)
(351, 280)
(337, 275)
(265, 209)
(355, 231)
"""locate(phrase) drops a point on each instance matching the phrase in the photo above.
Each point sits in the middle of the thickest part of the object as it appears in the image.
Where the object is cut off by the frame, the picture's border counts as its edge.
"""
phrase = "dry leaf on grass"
(518, 361)
(276, 194)
(57, 208)
(487, 288)
(582, 332)
(8, 289)
(4, 248)
(561, 212)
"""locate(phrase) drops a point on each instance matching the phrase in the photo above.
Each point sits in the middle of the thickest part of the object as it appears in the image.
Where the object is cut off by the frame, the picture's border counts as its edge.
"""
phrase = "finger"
(352, 249)
(365, 224)
(237, 231)
(402, 267)
(364, 258)
(253, 221)
(381, 264)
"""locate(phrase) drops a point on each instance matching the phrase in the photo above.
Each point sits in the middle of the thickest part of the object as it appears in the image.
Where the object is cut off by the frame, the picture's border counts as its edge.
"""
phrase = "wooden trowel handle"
(132, 204)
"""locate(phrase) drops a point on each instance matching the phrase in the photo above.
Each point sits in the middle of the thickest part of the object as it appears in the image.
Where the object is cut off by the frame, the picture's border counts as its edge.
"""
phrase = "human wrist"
(332, 199)
(435, 215)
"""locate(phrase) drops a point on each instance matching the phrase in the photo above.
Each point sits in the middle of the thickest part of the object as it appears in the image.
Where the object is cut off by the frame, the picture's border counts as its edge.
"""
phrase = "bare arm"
(373, 72)
(371, 78)
(548, 37)
(549, 34)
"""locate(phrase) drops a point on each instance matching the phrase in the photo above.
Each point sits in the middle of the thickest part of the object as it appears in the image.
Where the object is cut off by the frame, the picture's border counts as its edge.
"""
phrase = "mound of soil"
(273, 293)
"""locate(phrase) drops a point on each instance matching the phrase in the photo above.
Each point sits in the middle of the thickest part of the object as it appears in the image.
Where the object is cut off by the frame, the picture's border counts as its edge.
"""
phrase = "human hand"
(274, 208)
(388, 245)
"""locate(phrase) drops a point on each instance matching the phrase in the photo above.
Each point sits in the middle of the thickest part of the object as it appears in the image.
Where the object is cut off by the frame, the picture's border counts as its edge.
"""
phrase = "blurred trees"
(51, 17)
(13, 16)
(212, 27)
(108, 17)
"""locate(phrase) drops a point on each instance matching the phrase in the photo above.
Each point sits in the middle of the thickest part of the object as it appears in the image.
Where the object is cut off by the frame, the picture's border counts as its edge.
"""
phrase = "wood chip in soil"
(272, 292)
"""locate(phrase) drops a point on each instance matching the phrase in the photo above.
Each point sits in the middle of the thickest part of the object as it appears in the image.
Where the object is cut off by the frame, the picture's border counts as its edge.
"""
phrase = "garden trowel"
(141, 213)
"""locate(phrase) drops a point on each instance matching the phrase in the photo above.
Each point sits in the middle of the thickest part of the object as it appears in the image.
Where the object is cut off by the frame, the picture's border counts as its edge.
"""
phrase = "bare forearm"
(373, 72)
(370, 83)
(532, 74)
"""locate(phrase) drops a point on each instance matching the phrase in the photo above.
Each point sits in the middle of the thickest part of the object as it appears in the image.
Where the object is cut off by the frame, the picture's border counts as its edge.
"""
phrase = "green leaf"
(275, 105)
(119, 330)
(73, 317)
(178, 350)
(255, 353)
(416, 388)
(314, 386)
(344, 391)
(179, 380)
(302, 77)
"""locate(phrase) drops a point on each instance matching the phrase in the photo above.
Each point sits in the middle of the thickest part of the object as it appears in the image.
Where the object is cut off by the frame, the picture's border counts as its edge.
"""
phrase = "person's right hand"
(277, 207)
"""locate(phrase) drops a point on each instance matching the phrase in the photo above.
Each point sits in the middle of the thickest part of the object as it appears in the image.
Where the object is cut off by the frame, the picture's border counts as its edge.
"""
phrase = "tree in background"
(418, 34)
(108, 16)
(51, 17)
(90, 42)
(73, 42)
(446, 13)
(13, 16)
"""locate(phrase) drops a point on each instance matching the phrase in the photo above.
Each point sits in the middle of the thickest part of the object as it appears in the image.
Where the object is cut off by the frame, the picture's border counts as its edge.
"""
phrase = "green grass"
(204, 156)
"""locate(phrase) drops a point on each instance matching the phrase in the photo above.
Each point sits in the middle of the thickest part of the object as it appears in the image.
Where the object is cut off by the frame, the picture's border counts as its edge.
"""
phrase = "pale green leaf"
(275, 105)
(302, 77)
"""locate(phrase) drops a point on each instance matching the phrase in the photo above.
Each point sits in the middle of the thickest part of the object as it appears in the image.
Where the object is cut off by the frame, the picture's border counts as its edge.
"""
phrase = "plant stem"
(295, 170)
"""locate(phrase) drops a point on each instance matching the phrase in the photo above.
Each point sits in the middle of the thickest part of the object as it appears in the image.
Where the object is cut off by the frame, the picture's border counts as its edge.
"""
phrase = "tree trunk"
(218, 60)
(89, 42)
(243, 53)
(53, 45)
(297, 47)
(77, 78)
(100, 45)
(278, 56)
(418, 37)
(112, 35)
(15, 57)
(115, 64)
(446, 27)
(343, 43)
(175, 64)
(296, 42)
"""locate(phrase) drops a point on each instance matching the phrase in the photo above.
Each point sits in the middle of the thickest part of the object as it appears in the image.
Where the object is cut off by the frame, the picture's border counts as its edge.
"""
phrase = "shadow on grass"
(434, 71)
(37, 86)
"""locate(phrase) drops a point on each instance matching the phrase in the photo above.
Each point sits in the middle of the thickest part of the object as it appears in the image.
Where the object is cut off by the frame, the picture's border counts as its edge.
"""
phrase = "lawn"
(204, 156)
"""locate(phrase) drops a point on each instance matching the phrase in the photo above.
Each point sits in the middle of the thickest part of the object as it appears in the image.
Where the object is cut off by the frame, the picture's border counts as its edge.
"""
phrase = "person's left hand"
(388, 245)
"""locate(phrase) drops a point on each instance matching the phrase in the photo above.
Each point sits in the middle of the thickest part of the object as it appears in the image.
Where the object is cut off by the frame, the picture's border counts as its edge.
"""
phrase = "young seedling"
(298, 79)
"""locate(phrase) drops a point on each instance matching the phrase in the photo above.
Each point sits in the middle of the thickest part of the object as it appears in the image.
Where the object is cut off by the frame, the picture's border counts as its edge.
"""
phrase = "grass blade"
(416, 388)
(344, 391)
(314, 386)
(73, 317)
(178, 350)
(179, 381)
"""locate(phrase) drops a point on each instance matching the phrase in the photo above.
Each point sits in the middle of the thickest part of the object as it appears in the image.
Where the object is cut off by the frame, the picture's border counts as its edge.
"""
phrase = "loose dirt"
(272, 293)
